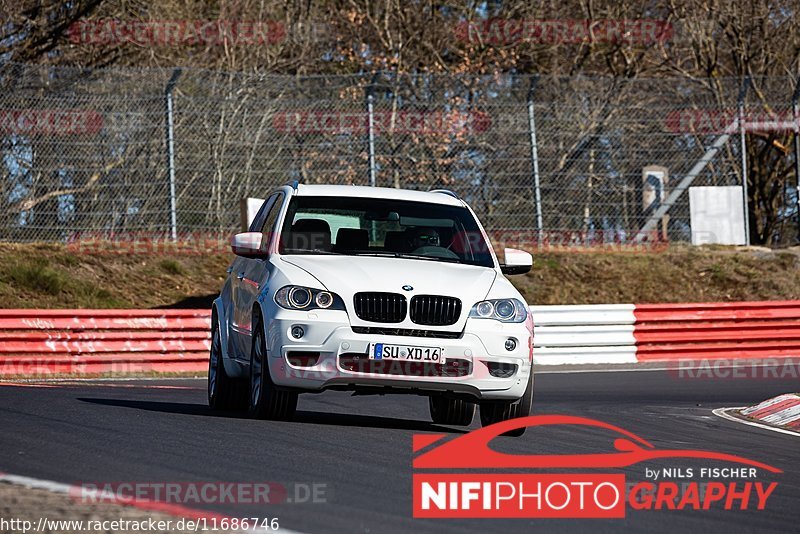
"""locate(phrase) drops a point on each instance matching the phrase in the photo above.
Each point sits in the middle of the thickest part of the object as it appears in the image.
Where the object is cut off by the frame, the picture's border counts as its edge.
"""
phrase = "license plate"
(382, 351)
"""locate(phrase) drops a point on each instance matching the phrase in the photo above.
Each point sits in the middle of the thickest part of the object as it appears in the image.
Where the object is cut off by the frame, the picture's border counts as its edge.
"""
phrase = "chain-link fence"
(109, 152)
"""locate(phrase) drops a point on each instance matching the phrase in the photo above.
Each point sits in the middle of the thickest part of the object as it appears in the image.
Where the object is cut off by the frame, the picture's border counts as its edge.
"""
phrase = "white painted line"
(641, 369)
(723, 413)
(101, 379)
(35, 483)
(576, 371)
(633, 369)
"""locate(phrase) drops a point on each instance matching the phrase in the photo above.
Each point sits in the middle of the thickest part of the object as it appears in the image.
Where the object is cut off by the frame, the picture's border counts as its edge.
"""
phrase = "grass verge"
(52, 276)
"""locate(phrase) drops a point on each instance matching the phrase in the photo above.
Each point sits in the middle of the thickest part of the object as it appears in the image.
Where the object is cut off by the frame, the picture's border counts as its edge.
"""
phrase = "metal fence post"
(371, 132)
(535, 160)
(743, 149)
(173, 216)
(796, 114)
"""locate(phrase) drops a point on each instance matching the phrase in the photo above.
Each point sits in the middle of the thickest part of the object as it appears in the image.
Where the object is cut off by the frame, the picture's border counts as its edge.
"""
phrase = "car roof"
(377, 192)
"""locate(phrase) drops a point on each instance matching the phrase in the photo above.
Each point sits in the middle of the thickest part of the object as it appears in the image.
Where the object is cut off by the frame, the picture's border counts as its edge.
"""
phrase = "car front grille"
(380, 307)
(410, 332)
(435, 310)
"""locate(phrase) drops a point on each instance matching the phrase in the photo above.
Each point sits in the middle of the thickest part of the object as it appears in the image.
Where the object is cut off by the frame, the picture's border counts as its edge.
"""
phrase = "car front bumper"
(471, 367)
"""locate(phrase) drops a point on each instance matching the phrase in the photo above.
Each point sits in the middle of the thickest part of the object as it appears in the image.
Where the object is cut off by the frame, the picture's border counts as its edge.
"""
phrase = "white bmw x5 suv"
(371, 290)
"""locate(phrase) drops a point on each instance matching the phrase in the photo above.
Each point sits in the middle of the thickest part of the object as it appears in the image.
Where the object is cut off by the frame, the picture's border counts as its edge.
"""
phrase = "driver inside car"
(421, 238)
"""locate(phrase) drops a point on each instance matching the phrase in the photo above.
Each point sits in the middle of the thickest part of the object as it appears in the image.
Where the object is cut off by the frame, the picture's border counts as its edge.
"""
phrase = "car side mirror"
(248, 245)
(516, 262)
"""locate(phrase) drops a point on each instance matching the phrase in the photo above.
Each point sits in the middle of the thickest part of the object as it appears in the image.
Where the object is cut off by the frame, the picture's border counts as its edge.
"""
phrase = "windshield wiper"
(434, 258)
(409, 256)
(310, 251)
(380, 254)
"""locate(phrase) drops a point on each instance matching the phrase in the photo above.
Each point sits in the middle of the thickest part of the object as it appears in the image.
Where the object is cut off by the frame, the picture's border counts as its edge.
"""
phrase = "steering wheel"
(436, 252)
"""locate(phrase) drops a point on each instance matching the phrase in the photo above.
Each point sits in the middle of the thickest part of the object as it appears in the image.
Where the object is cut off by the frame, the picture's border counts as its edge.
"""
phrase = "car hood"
(347, 275)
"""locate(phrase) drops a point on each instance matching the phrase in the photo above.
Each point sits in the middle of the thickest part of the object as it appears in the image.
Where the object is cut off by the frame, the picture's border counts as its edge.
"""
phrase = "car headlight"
(504, 310)
(305, 298)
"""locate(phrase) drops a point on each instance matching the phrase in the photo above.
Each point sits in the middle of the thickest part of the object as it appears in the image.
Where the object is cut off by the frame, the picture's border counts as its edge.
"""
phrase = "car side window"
(258, 220)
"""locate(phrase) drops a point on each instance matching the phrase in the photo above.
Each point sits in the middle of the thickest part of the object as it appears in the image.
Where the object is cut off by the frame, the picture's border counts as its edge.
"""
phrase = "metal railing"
(556, 159)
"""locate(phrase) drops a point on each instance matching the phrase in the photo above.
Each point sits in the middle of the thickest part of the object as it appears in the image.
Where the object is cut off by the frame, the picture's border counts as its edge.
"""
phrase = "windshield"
(382, 227)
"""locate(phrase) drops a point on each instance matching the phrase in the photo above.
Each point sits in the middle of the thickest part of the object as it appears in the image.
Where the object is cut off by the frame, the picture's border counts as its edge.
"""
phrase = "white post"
(535, 162)
(743, 149)
(173, 216)
(371, 134)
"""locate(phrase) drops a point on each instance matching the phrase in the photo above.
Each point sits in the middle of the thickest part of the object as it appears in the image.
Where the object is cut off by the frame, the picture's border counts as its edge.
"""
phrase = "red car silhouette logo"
(471, 451)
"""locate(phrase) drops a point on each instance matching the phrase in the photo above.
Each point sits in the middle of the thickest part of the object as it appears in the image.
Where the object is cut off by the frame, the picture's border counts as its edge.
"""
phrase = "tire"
(224, 392)
(446, 411)
(495, 412)
(266, 400)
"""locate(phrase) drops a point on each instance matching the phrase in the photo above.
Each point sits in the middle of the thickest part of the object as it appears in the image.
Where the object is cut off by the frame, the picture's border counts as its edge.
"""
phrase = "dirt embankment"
(53, 276)
(676, 274)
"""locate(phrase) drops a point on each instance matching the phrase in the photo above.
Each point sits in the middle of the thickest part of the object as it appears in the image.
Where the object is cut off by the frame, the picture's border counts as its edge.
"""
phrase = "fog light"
(298, 332)
(511, 344)
(501, 370)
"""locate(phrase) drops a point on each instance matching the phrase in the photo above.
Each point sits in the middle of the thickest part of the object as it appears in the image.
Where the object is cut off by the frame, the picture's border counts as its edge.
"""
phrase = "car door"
(255, 275)
(239, 337)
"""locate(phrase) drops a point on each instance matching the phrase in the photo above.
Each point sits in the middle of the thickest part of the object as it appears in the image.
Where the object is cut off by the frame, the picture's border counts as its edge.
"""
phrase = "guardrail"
(48, 342)
(72, 342)
(629, 333)
(717, 330)
(601, 333)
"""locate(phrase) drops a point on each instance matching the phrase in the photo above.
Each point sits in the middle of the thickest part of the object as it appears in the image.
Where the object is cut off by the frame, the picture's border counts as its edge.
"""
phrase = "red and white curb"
(780, 414)
(783, 411)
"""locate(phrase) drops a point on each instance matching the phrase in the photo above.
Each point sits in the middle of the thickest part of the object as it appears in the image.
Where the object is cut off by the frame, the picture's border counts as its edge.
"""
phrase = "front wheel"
(266, 400)
(446, 411)
(224, 392)
(497, 411)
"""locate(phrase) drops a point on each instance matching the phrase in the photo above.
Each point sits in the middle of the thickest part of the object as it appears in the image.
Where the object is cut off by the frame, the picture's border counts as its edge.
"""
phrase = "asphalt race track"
(360, 447)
